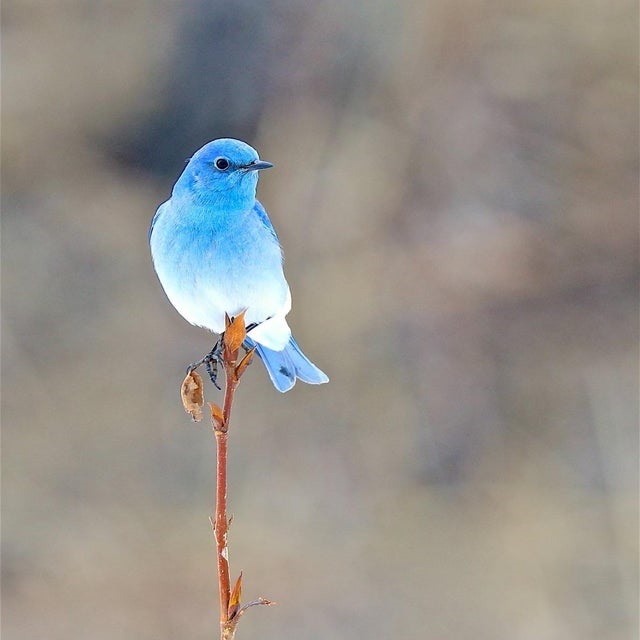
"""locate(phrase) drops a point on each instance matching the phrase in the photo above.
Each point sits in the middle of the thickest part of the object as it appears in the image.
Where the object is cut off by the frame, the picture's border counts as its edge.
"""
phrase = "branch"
(193, 400)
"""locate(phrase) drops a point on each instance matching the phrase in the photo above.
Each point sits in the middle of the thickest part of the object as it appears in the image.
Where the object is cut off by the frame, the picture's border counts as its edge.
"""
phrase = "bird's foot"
(210, 361)
(214, 357)
(251, 327)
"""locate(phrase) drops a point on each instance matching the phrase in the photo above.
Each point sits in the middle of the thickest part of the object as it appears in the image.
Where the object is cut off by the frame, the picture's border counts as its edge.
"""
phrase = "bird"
(216, 253)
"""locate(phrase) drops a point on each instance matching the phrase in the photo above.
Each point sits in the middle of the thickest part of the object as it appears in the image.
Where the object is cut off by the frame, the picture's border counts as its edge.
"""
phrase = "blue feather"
(287, 365)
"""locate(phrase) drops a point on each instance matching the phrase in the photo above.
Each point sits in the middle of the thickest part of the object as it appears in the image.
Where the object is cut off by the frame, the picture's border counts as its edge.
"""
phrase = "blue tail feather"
(287, 365)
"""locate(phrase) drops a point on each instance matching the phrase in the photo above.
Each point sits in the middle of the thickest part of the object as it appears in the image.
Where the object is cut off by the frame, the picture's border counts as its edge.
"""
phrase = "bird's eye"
(222, 164)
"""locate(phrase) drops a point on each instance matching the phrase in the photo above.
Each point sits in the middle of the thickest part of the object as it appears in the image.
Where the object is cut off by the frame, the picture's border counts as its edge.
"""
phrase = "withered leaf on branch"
(234, 600)
(244, 363)
(192, 396)
(217, 417)
(235, 333)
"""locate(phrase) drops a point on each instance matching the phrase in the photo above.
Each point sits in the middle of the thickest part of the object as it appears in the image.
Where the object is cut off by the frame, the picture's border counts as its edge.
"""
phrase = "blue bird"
(215, 251)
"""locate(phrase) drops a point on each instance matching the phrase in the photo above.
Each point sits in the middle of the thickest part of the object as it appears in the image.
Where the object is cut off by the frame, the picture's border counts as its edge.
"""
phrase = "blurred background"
(456, 190)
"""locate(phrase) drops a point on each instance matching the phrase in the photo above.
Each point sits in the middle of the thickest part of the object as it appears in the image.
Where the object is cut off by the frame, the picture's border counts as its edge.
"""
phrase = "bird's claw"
(212, 369)
(210, 361)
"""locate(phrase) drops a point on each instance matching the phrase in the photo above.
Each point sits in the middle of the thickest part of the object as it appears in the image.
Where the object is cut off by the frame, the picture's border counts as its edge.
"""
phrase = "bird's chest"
(238, 249)
(229, 250)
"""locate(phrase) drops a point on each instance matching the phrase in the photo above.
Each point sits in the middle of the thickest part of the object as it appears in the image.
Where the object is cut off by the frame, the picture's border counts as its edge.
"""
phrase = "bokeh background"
(456, 190)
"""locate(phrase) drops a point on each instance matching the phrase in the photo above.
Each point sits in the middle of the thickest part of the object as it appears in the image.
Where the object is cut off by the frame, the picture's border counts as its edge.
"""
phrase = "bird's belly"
(206, 278)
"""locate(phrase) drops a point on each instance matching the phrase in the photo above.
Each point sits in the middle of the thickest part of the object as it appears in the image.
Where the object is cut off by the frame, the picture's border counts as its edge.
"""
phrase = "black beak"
(257, 165)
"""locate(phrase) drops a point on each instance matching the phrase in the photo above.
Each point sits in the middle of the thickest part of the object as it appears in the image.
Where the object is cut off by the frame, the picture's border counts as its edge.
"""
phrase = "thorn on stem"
(254, 603)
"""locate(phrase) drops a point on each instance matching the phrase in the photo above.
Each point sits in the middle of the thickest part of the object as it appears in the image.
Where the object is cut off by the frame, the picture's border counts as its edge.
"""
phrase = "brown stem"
(221, 527)
(220, 524)
(229, 392)
(230, 609)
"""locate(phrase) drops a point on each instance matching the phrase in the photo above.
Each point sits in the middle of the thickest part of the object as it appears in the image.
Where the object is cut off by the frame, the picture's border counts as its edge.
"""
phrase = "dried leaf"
(244, 363)
(192, 395)
(235, 333)
(234, 600)
(217, 417)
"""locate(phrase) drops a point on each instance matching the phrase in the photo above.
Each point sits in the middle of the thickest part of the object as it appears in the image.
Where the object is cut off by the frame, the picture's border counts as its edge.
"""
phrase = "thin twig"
(221, 521)
(230, 609)
(220, 524)
(227, 350)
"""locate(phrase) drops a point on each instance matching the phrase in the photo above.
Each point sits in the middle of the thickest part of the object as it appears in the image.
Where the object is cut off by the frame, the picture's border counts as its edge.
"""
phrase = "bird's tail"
(287, 365)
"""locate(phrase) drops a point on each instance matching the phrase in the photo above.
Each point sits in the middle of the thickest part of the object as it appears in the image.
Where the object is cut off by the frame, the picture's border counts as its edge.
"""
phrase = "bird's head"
(225, 169)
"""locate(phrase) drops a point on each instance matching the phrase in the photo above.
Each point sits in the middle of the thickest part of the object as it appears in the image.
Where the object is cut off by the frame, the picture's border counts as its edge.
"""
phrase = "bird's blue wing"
(264, 218)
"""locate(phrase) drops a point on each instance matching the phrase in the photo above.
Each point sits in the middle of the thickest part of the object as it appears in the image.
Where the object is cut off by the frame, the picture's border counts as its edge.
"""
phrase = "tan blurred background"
(456, 190)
